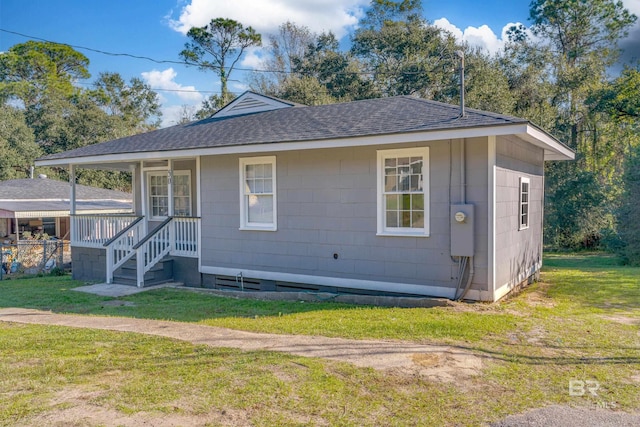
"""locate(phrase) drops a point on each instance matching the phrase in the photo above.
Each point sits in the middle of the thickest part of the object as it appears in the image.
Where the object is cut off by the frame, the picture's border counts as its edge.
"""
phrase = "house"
(42, 205)
(396, 195)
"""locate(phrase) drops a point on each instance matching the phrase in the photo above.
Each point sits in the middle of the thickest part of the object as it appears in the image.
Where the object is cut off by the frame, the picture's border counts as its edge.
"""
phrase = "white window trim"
(524, 180)
(381, 207)
(149, 204)
(244, 222)
(165, 172)
(186, 173)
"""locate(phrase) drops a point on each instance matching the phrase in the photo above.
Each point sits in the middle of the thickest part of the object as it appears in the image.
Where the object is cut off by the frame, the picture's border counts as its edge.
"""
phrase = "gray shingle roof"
(51, 189)
(63, 206)
(381, 116)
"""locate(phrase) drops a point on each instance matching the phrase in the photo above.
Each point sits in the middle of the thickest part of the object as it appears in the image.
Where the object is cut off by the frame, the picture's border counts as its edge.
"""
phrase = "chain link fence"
(32, 257)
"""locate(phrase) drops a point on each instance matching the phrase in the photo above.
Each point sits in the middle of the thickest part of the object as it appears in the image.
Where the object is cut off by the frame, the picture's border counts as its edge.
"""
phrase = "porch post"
(170, 187)
(143, 199)
(135, 193)
(198, 198)
(72, 182)
(172, 237)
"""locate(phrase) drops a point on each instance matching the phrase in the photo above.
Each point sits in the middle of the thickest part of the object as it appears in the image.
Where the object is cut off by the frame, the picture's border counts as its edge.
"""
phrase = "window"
(403, 195)
(524, 203)
(159, 194)
(258, 193)
(182, 193)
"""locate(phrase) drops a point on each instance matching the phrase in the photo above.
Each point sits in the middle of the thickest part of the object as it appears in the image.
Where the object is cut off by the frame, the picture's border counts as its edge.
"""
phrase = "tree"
(288, 45)
(486, 84)
(575, 42)
(187, 114)
(135, 105)
(224, 40)
(629, 213)
(306, 91)
(403, 53)
(209, 106)
(17, 144)
(29, 70)
(336, 71)
(579, 41)
(621, 98)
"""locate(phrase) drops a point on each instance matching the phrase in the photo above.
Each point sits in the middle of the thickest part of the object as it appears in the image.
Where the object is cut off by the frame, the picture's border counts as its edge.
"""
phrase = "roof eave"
(554, 149)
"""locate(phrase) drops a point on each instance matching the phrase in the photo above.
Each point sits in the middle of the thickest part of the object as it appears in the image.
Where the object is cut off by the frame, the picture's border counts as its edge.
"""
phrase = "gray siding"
(88, 264)
(185, 270)
(517, 251)
(327, 205)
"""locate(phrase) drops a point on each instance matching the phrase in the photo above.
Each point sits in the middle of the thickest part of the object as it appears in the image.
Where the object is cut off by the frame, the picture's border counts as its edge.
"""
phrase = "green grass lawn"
(579, 323)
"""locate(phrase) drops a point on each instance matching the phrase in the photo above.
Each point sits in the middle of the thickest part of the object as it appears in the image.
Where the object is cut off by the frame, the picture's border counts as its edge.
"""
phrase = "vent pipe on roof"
(460, 55)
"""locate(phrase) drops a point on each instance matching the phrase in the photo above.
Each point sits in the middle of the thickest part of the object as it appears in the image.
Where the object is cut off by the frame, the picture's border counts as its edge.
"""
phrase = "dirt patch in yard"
(83, 406)
(77, 407)
(440, 363)
(620, 318)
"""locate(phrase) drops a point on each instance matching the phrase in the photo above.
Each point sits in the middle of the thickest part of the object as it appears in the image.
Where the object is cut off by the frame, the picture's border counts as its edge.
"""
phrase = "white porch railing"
(123, 236)
(93, 231)
(120, 247)
(185, 237)
(151, 249)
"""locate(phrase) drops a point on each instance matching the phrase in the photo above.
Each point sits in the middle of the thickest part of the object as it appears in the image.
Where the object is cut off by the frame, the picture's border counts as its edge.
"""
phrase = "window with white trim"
(403, 192)
(524, 203)
(182, 193)
(158, 189)
(258, 193)
(158, 194)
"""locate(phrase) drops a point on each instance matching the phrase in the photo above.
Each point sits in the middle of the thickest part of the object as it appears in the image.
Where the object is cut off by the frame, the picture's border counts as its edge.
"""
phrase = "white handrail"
(120, 250)
(154, 247)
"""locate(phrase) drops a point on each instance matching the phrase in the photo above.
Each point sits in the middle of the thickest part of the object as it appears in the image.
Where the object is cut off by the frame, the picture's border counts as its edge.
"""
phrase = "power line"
(129, 55)
(210, 66)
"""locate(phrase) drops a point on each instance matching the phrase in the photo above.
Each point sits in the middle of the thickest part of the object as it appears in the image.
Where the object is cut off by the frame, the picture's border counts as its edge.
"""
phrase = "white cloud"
(265, 16)
(165, 80)
(252, 59)
(446, 25)
(482, 36)
(171, 114)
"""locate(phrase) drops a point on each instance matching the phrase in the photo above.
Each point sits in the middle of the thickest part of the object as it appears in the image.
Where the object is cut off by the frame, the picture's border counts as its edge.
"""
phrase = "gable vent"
(250, 102)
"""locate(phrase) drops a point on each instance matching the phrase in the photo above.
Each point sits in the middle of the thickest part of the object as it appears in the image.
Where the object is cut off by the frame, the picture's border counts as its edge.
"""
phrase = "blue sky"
(155, 29)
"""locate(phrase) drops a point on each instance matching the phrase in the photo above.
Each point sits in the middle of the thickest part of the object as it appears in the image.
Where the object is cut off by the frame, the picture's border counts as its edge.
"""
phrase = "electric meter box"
(462, 230)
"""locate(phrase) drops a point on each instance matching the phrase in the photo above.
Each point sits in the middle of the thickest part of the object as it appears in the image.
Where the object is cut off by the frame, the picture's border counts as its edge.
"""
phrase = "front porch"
(121, 248)
(141, 247)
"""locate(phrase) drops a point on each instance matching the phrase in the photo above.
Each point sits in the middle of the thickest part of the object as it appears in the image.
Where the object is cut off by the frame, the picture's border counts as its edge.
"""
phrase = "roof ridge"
(484, 113)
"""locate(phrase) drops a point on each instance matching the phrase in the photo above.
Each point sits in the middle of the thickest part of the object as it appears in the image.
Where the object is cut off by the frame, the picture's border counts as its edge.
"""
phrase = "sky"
(156, 29)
